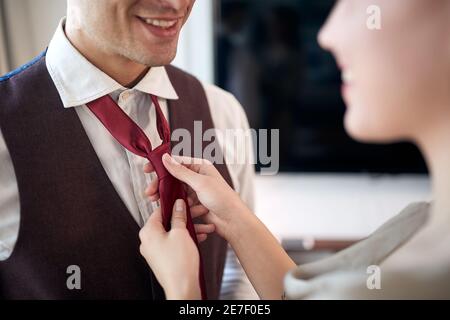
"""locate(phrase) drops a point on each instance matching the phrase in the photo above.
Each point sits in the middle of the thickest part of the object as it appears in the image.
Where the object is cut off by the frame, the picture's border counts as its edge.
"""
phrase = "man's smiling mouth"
(160, 23)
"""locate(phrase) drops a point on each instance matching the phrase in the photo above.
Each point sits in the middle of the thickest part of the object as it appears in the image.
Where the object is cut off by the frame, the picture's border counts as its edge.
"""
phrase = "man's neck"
(126, 72)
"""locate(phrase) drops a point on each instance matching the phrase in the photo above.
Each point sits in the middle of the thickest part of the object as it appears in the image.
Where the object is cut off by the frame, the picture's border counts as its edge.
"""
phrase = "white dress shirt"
(79, 82)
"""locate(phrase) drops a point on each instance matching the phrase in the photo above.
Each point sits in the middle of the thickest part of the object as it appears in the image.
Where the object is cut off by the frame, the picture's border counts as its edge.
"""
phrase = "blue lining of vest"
(23, 68)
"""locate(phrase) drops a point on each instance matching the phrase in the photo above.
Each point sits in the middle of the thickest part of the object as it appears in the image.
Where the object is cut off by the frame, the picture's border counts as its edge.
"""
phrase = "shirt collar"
(78, 81)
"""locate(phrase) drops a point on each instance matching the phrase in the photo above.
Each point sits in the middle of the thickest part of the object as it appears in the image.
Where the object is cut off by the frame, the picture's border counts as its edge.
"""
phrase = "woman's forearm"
(262, 257)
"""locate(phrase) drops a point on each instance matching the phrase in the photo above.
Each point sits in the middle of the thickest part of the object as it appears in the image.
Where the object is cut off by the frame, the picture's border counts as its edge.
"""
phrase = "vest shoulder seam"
(22, 68)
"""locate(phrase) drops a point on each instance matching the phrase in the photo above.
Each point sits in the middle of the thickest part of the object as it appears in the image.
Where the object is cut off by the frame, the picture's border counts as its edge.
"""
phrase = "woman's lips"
(347, 76)
(347, 80)
(345, 91)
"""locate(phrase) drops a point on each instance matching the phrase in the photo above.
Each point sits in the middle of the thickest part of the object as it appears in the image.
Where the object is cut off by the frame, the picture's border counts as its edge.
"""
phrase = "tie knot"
(155, 157)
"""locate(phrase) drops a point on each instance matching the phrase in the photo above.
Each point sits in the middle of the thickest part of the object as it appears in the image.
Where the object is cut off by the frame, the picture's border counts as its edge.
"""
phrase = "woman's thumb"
(179, 215)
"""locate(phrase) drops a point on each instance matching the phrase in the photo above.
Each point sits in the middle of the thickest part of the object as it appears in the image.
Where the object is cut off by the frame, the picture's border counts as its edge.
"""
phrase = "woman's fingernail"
(179, 205)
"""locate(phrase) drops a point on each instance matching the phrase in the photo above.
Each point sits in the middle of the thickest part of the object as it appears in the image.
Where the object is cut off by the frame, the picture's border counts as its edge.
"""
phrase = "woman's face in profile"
(395, 61)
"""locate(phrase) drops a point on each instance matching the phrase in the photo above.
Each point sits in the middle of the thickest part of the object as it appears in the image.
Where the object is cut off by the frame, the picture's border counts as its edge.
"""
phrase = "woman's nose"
(322, 38)
(329, 33)
(325, 36)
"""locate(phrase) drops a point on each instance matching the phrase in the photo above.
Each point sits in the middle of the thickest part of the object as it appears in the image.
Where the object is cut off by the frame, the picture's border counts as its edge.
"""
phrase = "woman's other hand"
(172, 256)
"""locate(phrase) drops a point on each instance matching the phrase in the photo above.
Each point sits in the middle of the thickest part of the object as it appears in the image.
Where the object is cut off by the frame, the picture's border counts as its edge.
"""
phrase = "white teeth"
(347, 76)
(165, 24)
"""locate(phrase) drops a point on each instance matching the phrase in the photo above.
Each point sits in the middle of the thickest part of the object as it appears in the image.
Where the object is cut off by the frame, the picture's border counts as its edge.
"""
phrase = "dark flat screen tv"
(267, 55)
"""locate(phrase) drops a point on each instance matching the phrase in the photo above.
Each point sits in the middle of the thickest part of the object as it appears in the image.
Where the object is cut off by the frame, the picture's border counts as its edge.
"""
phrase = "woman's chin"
(362, 131)
(365, 132)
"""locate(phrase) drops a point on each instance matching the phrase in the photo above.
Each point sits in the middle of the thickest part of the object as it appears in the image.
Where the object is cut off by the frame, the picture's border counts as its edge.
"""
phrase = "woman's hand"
(261, 255)
(209, 195)
(173, 256)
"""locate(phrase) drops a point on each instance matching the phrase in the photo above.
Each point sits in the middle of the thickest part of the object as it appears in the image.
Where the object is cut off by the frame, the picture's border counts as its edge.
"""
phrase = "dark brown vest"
(70, 212)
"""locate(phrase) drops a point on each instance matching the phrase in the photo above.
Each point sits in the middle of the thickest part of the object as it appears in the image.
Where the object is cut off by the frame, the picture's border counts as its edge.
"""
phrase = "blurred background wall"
(4, 63)
(265, 52)
(29, 26)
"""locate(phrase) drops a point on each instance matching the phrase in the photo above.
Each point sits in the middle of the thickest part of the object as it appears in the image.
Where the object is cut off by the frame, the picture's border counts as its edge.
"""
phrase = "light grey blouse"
(352, 273)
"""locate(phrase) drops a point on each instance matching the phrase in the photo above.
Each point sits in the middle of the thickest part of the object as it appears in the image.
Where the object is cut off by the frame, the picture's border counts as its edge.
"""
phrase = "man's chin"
(155, 59)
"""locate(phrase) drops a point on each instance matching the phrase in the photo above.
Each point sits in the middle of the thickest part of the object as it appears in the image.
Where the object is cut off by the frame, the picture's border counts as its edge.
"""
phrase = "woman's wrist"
(241, 221)
(187, 291)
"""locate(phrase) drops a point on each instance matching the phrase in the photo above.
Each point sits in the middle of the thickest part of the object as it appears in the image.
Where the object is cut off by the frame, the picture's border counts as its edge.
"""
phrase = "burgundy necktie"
(133, 138)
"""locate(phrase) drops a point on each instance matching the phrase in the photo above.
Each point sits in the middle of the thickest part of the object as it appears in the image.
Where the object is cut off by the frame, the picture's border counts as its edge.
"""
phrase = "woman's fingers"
(179, 219)
(156, 216)
(153, 226)
(188, 176)
(152, 192)
(198, 211)
(202, 166)
(152, 188)
(154, 197)
(193, 164)
(202, 238)
(204, 228)
(192, 195)
(148, 168)
(191, 171)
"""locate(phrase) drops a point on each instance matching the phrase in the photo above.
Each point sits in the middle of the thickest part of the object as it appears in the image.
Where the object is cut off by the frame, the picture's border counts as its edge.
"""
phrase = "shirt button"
(124, 96)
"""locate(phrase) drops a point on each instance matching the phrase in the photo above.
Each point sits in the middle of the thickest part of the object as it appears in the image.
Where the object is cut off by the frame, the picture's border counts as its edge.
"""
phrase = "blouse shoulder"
(351, 268)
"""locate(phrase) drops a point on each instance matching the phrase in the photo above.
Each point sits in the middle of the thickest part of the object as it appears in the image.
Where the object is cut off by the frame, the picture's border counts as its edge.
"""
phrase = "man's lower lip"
(161, 32)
